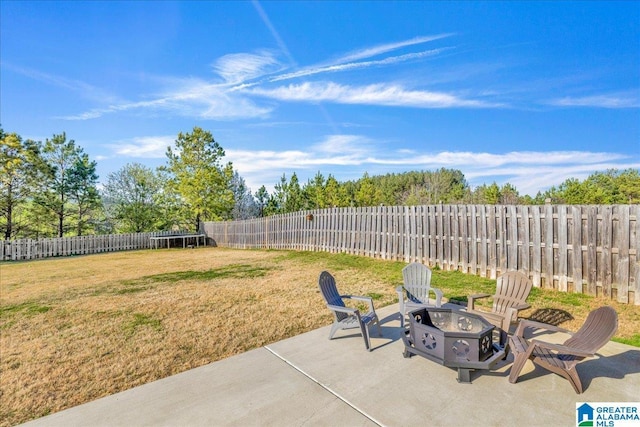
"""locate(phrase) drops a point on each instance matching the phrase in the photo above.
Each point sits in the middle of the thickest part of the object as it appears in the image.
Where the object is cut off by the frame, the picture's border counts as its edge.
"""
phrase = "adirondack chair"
(347, 317)
(562, 359)
(416, 289)
(512, 290)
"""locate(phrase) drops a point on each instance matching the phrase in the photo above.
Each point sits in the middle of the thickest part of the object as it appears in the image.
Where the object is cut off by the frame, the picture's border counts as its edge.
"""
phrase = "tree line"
(51, 189)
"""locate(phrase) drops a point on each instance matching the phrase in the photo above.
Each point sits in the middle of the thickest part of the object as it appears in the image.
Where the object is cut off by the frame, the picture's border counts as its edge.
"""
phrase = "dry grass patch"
(76, 329)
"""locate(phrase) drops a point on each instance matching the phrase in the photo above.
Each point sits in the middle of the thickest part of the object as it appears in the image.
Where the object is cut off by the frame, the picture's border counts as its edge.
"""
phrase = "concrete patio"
(312, 381)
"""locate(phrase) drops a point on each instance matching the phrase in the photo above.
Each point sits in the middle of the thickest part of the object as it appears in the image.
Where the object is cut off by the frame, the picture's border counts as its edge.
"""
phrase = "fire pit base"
(452, 338)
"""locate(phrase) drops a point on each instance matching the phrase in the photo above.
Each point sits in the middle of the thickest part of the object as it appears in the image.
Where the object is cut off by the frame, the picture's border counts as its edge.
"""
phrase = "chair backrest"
(596, 331)
(329, 292)
(512, 288)
(417, 282)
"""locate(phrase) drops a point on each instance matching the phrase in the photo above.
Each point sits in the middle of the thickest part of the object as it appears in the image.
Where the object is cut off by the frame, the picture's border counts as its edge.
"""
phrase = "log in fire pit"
(453, 338)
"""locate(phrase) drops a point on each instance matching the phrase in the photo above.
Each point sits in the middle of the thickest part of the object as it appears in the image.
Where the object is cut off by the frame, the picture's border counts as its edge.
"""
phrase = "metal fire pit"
(453, 338)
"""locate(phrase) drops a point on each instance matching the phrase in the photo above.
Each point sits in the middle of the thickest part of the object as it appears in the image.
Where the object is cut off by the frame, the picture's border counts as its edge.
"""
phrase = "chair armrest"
(368, 300)
(471, 300)
(439, 296)
(511, 314)
(400, 292)
(358, 297)
(496, 319)
(341, 309)
(561, 348)
(525, 323)
(476, 296)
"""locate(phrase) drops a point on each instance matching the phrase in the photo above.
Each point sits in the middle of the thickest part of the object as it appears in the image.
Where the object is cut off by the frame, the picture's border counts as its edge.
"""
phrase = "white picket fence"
(27, 249)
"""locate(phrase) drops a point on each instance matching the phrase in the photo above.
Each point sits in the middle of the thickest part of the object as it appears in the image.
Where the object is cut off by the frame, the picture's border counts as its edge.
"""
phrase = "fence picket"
(571, 248)
(576, 250)
(606, 277)
(483, 253)
(562, 252)
(621, 241)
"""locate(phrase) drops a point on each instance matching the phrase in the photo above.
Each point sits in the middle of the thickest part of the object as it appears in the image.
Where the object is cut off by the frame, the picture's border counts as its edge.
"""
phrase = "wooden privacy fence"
(587, 249)
(26, 249)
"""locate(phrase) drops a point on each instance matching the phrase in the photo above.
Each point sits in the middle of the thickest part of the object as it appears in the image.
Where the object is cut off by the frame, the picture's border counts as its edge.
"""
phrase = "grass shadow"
(234, 271)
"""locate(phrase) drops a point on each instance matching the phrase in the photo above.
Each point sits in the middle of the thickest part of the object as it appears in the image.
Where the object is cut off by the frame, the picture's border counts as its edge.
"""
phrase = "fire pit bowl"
(453, 338)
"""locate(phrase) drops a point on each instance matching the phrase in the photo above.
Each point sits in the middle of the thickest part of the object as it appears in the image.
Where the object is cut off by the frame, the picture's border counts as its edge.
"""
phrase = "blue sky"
(529, 93)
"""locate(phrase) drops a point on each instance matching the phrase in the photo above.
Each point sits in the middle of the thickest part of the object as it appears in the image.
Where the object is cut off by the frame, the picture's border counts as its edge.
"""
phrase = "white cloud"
(388, 47)
(344, 144)
(265, 167)
(246, 83)
(531, 178)
(616, 100)
(350, 156)
(240, 67)
(147, 147)
(190, 98)
(87, 115)
(349, 61)
(376, 94)
(492, 160)
(231, 100)
(356, 65)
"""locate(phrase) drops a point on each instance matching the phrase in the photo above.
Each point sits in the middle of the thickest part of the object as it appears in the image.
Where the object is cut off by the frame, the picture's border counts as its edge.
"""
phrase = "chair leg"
(464, 375)
(574, 379)
(503, 337)
(365, 334)
(519, 361)
(334, 328)
(521, 352)
(379, 328)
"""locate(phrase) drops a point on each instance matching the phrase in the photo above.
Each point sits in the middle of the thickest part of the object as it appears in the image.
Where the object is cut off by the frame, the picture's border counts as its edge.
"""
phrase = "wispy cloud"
(388, 47)
(492, 160)
(614, 100)
(84, 89)
(356, 65)
(245, 85)
(267, 22)
(340, 150)
(351, 156)
(191, 98)
(355, 145)
(243, 77)
(377, 94)
(352, 61)
(240, 67)
(146, 147)
(241, 74)
(531, 178)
